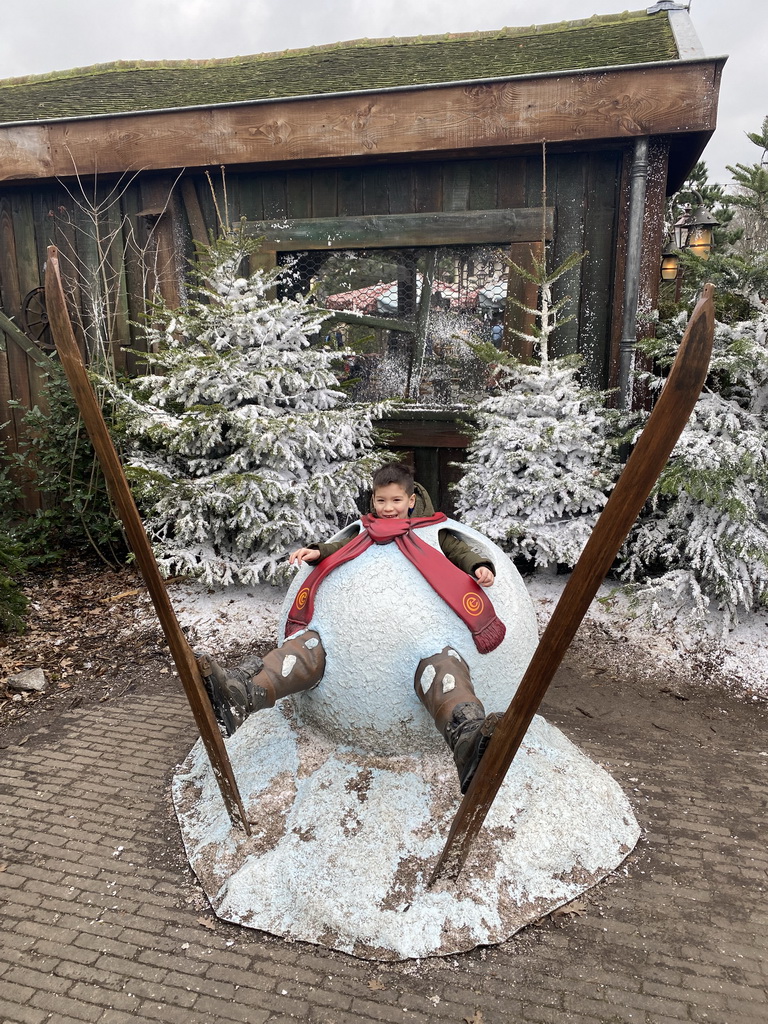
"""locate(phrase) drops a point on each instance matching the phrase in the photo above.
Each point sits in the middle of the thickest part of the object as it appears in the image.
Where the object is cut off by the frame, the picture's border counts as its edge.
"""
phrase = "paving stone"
(534, 1014)
(104, 944)
(75, 1007)
(22, 1015)
(222, 1010)
(169, 1013)
(14, 993)
(679, 934)
(176, 965)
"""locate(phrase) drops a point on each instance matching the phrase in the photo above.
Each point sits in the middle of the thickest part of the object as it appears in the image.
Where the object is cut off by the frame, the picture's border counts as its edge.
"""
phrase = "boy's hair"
(393, 473)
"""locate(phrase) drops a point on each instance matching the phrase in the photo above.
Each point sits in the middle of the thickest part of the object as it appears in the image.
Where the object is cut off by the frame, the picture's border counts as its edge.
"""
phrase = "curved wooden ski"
(183, 656)
(664, 426)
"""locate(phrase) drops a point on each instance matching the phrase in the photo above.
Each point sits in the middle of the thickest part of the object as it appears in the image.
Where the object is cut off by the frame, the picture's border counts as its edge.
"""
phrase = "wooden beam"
(439, 432)
(578, 106)
(402, 230)
(16, 377)
(161, 206)
(386, 323)
(197, 225)
(15, 333)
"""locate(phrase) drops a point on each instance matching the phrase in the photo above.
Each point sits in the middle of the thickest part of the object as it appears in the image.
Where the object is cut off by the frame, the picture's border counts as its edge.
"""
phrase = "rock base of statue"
(343, 843)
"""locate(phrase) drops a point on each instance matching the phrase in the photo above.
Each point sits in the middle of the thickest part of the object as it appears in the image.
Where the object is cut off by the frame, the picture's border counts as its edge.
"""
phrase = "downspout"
(637, 183)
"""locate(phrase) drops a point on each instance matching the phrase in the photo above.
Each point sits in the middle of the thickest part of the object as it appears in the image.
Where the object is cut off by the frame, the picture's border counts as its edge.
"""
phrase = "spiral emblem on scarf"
(301, 598)
(473, 604)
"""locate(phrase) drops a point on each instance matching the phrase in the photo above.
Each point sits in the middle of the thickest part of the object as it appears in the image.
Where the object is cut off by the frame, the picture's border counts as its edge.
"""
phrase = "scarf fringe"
(490, 636)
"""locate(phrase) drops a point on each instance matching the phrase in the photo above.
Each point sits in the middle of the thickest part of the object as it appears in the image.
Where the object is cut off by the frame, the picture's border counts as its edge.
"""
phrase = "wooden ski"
(664, 426)
(183, 656)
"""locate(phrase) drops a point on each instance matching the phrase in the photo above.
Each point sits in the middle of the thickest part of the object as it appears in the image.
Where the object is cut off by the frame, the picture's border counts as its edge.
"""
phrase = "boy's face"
(391, 502)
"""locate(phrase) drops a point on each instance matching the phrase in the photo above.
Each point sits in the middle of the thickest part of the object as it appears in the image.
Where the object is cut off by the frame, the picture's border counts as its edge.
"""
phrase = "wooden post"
(656, 442)
(185, 660)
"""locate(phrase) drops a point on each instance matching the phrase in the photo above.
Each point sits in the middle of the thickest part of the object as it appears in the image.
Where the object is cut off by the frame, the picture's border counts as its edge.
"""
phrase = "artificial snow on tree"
(240, 443)
(703, 537)
(541, 465)
(704, 534)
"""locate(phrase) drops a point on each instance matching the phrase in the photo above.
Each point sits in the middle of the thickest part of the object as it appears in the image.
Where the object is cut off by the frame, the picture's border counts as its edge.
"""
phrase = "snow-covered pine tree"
(704, 534)
(240, 443)
(540, 466)
(547, 317)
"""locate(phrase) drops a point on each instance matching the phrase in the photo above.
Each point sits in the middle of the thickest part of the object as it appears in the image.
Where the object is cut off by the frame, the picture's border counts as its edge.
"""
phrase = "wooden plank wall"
(121, 238)
(585, 191)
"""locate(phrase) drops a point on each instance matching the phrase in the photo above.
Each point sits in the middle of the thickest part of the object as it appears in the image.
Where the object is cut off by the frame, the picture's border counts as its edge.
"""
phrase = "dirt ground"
(92, 631)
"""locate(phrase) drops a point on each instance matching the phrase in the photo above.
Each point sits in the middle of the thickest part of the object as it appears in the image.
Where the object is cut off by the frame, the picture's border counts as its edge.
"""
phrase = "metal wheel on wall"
(34, 317)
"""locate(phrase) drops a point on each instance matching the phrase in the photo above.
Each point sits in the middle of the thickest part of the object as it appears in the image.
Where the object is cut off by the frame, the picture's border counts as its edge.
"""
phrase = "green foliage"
(57, 454)
(760, 138)
(751, 195)
(541, 462)
(753, 180)
(738, 263)
(13, 603)
(704, 533)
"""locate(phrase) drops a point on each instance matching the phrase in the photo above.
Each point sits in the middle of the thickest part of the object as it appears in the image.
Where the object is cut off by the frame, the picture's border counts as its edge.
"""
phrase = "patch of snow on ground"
(736, 658)
(216, 619)
(230, 616)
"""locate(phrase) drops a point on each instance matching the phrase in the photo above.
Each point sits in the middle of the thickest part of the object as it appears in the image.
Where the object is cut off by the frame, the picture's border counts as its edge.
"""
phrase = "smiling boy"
(442, 682)
(397, 496)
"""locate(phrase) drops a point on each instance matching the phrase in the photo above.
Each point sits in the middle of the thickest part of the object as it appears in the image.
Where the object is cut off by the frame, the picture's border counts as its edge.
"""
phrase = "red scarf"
(456, 588)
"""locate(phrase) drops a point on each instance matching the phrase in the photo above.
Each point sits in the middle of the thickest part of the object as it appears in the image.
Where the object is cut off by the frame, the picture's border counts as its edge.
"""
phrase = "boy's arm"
(324, 549)
(330, 547)
(462, 555)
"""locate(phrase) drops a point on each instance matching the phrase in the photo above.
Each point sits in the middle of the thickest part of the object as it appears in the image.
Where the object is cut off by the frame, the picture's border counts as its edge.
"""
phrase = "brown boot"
(444, 687)
(298, 665)
(226, 689)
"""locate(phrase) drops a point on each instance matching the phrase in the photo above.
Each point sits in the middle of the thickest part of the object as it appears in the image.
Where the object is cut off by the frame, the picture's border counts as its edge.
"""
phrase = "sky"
(38, 36)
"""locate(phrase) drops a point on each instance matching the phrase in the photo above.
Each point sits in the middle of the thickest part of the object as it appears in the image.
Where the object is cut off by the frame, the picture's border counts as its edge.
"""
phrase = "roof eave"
(672, 99)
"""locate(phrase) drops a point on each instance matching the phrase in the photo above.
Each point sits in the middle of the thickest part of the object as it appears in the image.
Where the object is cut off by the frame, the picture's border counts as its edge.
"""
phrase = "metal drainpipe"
(638, 180)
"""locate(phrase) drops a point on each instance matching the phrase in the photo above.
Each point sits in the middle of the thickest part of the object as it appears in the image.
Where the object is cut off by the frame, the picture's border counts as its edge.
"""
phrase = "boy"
(442, 682)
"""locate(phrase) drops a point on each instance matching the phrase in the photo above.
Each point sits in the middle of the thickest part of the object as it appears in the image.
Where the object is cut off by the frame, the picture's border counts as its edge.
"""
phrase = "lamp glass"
(700, 241)
(670, 264)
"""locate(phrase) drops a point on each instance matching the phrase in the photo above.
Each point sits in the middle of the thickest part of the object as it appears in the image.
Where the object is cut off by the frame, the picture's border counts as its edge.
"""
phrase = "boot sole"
(228, 711)
(486, 731)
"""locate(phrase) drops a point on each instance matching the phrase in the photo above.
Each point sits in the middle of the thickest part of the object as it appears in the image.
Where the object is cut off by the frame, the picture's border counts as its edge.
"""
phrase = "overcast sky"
(37, 36)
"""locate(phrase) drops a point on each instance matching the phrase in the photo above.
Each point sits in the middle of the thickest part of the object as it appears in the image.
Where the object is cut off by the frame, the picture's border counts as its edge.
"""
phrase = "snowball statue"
(348, 787)
(378, 618)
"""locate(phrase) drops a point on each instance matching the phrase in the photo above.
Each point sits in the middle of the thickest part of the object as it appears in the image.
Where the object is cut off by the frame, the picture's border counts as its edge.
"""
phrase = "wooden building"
(397, 145)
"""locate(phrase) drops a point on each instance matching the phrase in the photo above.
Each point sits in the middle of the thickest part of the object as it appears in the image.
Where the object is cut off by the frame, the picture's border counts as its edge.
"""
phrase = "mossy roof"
(128, 86)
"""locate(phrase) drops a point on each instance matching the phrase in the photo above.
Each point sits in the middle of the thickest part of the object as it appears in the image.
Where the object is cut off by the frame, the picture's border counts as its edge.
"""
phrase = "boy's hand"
(484, 576)
(303, 555)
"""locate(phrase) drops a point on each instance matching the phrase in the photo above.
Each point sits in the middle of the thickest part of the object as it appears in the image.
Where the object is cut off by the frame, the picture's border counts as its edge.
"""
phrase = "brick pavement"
(102, 920)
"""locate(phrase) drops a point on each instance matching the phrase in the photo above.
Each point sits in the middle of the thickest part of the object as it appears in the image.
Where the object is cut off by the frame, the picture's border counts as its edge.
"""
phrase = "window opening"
(410, 317)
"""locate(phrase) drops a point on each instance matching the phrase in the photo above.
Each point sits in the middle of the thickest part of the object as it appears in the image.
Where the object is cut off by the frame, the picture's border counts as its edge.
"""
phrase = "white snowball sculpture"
(378, 617)
(350, 791)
